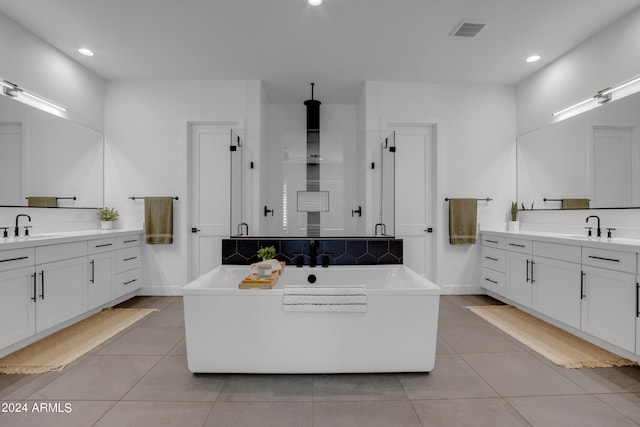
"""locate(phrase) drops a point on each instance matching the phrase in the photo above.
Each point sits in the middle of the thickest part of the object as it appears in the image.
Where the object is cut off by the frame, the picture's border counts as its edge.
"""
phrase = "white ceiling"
(339, 45)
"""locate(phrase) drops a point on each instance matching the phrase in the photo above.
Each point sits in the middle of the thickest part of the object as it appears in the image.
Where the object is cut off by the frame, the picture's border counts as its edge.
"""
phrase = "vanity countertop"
(614, 243)
(62, 237)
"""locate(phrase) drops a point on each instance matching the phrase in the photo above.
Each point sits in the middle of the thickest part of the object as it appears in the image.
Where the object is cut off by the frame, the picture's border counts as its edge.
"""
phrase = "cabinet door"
(556, 289)
(100, 279)
(61, 292)
(608, 306)
(637, 315)
(519, 278)
(17, 308)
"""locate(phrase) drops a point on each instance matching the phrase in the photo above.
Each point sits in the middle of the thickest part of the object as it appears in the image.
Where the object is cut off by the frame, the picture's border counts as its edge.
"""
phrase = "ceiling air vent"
(468, 29)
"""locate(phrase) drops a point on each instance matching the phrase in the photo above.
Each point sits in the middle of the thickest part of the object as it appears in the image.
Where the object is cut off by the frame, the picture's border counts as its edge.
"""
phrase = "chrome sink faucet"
(598, 230)
(16, 231)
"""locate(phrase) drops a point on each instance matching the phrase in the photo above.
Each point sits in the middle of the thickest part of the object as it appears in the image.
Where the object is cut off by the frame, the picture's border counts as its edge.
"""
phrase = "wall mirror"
(591, 160)
(48, 159)
(345, 188)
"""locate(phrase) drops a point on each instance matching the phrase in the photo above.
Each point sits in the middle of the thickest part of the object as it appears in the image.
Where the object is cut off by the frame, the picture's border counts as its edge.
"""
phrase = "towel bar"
(139, 197)
(61, 198)
(486, 199)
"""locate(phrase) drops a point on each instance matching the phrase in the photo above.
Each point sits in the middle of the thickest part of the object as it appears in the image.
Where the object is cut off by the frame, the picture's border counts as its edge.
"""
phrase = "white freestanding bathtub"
(231, 330)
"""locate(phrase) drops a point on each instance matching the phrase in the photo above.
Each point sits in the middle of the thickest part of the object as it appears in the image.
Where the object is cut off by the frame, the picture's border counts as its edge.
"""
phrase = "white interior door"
(210, 188)
(612, 156)
(415, 195)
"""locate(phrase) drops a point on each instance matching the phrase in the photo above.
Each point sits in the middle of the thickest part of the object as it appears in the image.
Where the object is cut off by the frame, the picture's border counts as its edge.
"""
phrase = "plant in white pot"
(514, 224)
(268, 255)
(107, 216)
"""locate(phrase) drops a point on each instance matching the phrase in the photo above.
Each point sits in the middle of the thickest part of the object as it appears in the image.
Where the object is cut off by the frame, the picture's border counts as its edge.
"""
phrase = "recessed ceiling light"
(315, 2)
(533, 58)
(85, 51)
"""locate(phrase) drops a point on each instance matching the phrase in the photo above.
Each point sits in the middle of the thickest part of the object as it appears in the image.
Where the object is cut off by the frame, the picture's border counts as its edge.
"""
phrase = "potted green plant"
(107, 216)
(514, 224)
(267, 253)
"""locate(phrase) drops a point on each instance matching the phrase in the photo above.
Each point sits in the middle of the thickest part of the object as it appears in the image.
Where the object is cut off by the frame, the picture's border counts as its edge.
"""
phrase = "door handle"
(582, 295)
(195, 230)
(42, 284)
(93, 271)
(35, 291)
(527, 271)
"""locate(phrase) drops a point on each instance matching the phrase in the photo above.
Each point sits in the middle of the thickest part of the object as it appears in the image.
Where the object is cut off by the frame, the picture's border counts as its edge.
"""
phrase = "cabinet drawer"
(558, 251)
(127, 281)
(51, 253)
(493, 281)
(493, 258)
(493, 241)
(520, 245)
(128, 241)
(16, 258)
(127, 259)
(613, 260)
(101, 245)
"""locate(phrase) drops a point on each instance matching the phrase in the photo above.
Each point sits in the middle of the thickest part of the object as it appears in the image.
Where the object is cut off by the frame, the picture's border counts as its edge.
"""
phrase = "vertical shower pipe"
(313, 159)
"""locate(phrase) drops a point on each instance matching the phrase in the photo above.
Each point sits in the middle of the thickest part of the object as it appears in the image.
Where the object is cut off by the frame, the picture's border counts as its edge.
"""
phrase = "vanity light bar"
(14, 90)
(605, 95)
(579, 104)
(620, 86)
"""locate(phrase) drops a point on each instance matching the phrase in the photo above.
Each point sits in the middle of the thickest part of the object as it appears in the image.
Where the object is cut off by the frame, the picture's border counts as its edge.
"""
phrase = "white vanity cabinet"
(17, 290)
(609, 299)
(588, 287)
(49, 283)
(519, 256)
(100, 263)
(60, 283)
(556, 280)
(494, 264)
(637, 299)
(127, 265)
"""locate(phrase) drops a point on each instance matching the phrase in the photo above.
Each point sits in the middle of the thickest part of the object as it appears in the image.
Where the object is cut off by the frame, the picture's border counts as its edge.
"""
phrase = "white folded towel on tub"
(344, 299)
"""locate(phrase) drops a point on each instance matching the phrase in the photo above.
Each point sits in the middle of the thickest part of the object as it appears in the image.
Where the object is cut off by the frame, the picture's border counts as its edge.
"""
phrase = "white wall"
(146, 155)
(476, 157)
(609, 57)
(33, 64)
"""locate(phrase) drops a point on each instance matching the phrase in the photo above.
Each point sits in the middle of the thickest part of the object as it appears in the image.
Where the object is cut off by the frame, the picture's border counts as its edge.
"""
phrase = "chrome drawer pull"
(129, 259)
(492, 281)
(14, 259)
(604, 259)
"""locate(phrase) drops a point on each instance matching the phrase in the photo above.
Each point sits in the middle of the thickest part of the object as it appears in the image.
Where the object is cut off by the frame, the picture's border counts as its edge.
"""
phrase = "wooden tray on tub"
(253, 281)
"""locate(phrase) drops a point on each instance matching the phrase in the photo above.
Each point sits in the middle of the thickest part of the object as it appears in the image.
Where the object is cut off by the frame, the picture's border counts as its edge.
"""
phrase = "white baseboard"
(462, 290)
(160, 291)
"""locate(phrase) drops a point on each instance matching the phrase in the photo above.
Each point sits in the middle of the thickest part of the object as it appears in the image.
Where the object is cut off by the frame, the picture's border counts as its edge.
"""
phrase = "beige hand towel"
(575, 203)
(43, 202)
(158, 219)
(463, 220)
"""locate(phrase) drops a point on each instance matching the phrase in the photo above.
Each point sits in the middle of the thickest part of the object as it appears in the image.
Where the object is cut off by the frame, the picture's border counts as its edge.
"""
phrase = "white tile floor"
(482, 378)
